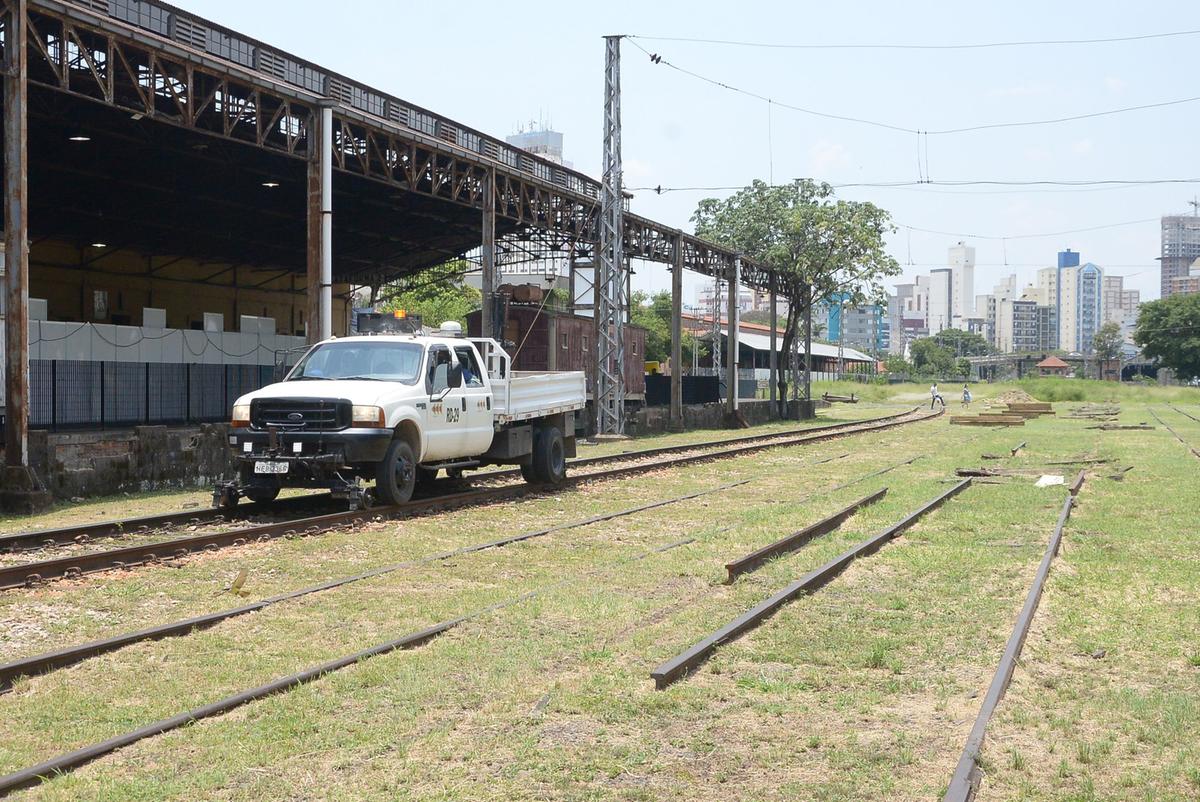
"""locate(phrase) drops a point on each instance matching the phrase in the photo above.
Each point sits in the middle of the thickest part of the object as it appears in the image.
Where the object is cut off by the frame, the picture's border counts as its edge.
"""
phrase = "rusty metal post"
(326, 221)
(676, 421)
(16, 239)
(773, 380)
(731, 401)
(315, 249)
(488, 326)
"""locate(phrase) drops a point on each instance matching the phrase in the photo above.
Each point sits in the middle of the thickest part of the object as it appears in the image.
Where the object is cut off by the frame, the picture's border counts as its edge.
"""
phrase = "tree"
(962, 343)
(653, 313)
(1168, 331)
(816, 245)
(964, 366)
(895, 363)
(1107, 345)
(930, 358)
(437, 295)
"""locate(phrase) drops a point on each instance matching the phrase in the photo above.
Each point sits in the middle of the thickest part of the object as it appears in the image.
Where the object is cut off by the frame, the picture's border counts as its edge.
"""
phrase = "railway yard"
(490, 640)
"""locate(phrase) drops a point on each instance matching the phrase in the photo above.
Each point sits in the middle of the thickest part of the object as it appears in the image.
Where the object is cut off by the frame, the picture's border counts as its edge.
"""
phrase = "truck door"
(477, 411)
(445, 424)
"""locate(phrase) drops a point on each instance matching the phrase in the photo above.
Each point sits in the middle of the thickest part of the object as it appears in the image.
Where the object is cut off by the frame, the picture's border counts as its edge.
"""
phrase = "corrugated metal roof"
(762, 342)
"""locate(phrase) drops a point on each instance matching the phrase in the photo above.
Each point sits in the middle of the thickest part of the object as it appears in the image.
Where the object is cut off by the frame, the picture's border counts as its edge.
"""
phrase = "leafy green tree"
(1168, 331)
(1107, 345)
(817, 245)
(437, 295)
(930, 358)
(962, 343)
(653, 313)
(895, 363)
(964, 366)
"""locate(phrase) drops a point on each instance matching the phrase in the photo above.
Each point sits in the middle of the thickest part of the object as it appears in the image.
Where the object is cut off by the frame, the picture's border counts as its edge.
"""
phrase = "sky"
(496, 67)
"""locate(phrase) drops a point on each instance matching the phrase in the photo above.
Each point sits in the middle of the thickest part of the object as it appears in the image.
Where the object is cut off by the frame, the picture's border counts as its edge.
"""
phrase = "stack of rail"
(1015, 413)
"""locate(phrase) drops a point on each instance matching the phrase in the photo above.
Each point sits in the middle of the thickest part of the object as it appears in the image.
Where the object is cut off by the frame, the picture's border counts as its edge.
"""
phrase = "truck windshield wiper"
(308, 378)
(360, 379)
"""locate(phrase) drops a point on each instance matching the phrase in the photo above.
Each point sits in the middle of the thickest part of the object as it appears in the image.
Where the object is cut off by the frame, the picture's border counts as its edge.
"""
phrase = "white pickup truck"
(395, 408)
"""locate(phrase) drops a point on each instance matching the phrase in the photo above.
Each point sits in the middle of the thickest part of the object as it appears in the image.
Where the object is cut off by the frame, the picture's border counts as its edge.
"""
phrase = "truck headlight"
(367, 416)
(241, 416)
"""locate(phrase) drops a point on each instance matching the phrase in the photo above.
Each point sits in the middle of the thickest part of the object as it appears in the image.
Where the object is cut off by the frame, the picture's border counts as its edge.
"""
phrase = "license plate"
(270, 467)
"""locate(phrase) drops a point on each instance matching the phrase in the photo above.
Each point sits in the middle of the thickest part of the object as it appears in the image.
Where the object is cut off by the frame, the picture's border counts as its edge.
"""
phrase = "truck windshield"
(371, 361)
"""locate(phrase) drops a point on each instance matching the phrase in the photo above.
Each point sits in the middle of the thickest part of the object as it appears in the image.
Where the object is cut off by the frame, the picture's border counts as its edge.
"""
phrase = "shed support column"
(20, 491)
(326, 222)
(773, 364)
(731, 403)
(489, 325)
(315, 249)
(676, 421)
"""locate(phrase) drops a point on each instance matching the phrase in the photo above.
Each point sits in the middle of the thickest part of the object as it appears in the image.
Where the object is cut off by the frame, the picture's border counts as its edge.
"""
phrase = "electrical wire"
(1111, 183)
(1027, 236)
(657, 58)
(889, 46)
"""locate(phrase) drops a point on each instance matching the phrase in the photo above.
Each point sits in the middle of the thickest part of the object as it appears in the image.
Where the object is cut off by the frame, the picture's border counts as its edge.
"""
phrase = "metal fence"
(70, 394)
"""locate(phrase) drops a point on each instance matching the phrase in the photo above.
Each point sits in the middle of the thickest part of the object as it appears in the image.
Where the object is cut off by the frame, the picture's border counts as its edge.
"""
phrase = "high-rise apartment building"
(1180, 248)
(1016, 326)
(941, 300)
(962, 290)
(1080, 306)
(1189, 284)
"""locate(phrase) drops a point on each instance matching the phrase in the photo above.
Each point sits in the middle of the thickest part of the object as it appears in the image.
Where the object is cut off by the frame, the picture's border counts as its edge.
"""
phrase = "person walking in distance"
(966, 398)
(935, 397)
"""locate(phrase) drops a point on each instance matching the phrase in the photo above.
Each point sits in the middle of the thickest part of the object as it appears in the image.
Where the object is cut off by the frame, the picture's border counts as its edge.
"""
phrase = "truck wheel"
(262, 495)
(396, 474)
(549, 456)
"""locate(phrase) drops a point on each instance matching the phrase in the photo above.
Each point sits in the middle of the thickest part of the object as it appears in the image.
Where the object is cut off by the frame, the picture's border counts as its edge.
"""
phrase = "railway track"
(1194, 451)
(77, 565)
(84, 533)
(967, 774)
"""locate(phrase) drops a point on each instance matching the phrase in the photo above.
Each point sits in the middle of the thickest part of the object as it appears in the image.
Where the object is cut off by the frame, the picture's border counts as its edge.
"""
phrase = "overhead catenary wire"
(657, 58)
(913, 46)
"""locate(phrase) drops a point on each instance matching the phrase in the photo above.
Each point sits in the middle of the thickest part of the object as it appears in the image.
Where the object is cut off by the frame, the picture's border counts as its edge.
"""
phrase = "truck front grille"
(301, 414)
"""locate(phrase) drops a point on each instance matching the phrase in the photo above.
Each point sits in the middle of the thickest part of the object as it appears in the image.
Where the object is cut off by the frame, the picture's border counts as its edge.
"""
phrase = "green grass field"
(863, 691)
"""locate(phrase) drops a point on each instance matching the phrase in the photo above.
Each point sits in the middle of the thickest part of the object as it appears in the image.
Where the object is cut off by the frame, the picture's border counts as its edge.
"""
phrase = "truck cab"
(394, 406)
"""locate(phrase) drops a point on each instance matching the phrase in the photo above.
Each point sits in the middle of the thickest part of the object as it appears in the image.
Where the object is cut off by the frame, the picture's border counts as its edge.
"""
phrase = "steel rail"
(680, 665)
(61, 658)
(68, 761)
(29, 574)
(967, 774)
(1176, 435)
(798, 539)
(1184, 413)
(81, 533)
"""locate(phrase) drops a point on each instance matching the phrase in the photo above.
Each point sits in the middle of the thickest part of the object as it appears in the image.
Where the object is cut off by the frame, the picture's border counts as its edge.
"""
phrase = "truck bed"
(529, 394)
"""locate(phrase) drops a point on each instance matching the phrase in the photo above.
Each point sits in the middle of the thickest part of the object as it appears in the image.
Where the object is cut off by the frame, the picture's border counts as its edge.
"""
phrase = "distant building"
(1180, 248)
(1016, 326)
(1188, 284)
(939, 315)
(962, 290)
(1053, 366)
(540, 140)
(856, 327)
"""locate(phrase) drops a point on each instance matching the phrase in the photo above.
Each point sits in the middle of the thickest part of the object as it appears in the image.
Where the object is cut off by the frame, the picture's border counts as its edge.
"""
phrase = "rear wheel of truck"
(396, 474)
(549, 456)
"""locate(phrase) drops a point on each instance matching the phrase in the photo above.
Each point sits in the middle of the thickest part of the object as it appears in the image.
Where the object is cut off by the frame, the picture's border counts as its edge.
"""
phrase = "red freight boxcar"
(544, 339)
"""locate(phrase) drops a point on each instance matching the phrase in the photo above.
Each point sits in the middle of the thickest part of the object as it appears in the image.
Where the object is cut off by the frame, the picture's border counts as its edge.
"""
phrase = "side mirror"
(456, 376)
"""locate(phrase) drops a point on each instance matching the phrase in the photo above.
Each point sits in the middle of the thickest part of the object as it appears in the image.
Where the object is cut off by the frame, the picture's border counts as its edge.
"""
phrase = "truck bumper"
(330, 450)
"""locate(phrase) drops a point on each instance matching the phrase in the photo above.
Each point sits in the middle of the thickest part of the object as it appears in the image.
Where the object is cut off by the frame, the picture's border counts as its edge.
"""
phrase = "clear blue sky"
(494, 66)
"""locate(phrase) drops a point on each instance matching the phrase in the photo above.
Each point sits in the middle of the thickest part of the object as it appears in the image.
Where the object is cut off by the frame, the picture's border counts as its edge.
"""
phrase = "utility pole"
(610, 284)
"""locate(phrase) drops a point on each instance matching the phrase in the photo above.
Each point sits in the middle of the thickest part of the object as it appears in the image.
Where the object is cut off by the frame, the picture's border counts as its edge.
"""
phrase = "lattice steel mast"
(610, 284)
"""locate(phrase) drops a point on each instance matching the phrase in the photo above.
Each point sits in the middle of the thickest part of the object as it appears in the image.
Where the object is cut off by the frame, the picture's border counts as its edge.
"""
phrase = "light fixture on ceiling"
(80, 138)
(270, 184)
(99, 245)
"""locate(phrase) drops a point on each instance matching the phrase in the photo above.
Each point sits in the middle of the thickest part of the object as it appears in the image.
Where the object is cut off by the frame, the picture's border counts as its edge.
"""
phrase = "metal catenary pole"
(609, 395)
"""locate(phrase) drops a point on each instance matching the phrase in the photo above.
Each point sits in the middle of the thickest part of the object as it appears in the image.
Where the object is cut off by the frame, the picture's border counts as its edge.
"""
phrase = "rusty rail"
(967, 774)
(68, 761)
(680, 665)
(81, 533)
(29, 574)
(42, 663)
(1195, 451)
(799, 538)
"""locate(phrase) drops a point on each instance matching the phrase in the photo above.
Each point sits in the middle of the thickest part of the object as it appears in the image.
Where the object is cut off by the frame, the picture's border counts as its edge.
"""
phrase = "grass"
(864, 690)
